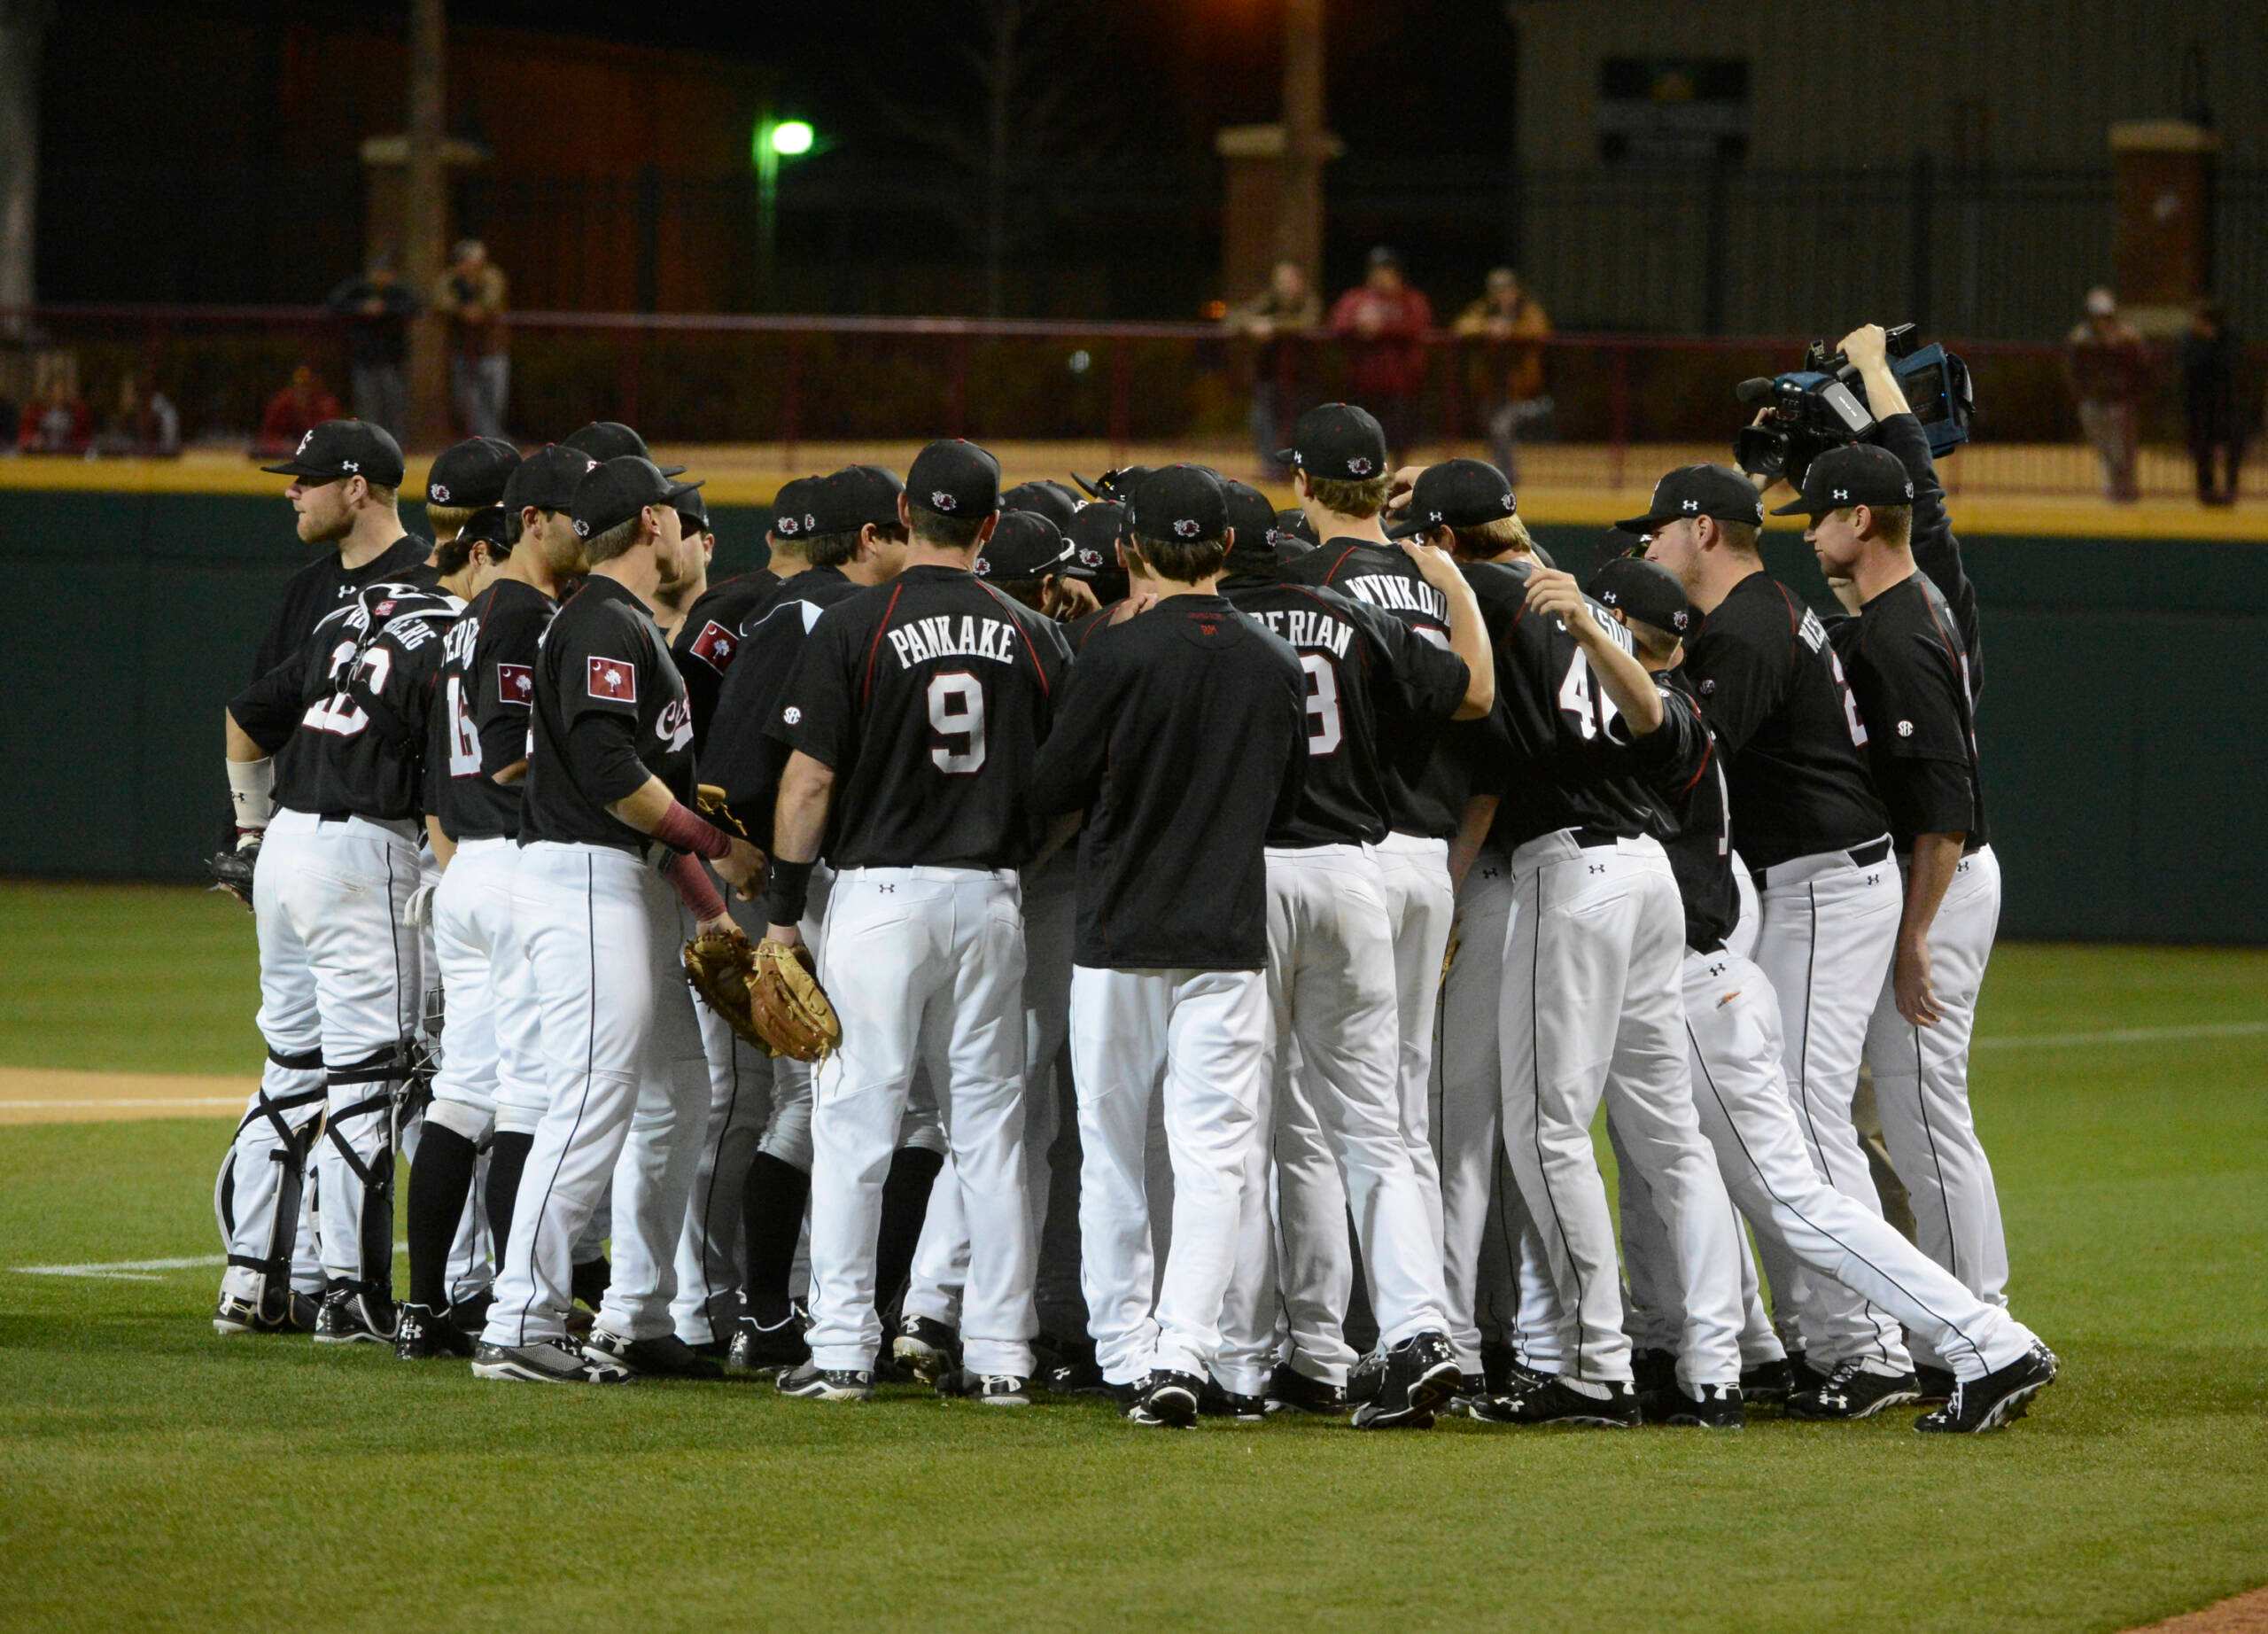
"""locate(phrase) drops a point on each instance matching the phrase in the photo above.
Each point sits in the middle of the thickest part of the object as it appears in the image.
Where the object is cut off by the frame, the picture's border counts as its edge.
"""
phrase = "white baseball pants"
(628, 1090)
(1921, 1091)
(1421, 908)
(926, 967)
(1592, 1010)
(1197, 1040)
(1827, 927)
(941, 1258)
(492, 1061)
(1338, 1133)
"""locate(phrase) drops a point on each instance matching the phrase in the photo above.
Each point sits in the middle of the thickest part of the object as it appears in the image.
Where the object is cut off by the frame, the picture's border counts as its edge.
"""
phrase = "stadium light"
(791, 138)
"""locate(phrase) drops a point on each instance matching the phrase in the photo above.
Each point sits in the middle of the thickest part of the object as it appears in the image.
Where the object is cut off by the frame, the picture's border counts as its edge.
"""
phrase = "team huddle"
(1352, 857)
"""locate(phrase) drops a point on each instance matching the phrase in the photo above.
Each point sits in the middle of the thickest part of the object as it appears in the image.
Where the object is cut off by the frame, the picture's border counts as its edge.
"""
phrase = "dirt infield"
(2243, 1613)
(30, 1095)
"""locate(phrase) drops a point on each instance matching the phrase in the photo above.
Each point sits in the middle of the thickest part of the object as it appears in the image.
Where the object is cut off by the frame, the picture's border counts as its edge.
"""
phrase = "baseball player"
(913, 717)
(465, 478)
(1183, 738)
(344, 477)
(348, 783)
(1341, 479)
(490, 1093)
(1335, 1061)
(831, 537)
(1590, 1004)
(1740, 1084)
(610, 770)
(1817, 840)
(610, 439)
(707, 638)
(1911, 658)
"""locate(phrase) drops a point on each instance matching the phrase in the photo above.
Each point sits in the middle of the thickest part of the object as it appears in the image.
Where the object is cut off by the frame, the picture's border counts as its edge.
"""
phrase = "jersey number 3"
(1328, 731)
(957, 716)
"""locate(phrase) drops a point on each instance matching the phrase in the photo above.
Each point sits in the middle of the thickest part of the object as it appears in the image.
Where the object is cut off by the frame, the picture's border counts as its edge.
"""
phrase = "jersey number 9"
(957, 715)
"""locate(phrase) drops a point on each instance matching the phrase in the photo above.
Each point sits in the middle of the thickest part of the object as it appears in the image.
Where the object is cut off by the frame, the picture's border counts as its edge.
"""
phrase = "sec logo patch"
(792, 715)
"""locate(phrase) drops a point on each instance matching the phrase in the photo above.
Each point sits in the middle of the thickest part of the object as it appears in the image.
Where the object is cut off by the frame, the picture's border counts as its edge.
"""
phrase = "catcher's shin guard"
(356, 1165)
(256, 1198)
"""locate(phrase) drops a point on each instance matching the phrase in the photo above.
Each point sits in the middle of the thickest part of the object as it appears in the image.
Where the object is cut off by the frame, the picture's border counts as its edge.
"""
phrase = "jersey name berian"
(945, 636)
(1307, 630)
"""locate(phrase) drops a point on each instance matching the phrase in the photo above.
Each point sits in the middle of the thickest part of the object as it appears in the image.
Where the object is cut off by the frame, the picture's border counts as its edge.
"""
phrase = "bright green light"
(790, 137)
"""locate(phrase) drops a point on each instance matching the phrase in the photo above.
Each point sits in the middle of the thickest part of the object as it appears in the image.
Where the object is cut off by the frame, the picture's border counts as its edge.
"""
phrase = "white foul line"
(169, 1100)
(138, 1270)
(2122, 1035)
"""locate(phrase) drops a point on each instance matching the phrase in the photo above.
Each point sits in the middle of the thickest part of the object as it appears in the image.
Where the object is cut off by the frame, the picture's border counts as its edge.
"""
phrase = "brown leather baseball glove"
(792, 1011)
(718, 965)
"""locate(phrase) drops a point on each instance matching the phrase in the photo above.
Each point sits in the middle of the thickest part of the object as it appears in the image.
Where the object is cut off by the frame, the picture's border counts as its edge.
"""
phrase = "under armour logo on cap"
(350, 465)
(1693, 505)
(1842, 492)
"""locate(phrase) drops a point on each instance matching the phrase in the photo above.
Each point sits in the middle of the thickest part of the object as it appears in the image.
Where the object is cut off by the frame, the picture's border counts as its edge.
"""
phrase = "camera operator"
(1914, 661)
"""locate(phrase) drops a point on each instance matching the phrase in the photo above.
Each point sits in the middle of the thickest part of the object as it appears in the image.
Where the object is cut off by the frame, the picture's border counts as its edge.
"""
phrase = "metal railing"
(793, 381)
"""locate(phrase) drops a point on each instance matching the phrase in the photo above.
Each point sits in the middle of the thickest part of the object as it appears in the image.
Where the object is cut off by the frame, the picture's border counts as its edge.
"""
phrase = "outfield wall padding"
(2126, 785)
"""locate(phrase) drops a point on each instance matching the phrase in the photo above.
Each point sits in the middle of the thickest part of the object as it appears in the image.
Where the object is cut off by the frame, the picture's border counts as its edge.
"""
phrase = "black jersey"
(1568, 759)
(1697, 832)
(483, 704)
(1425, 786)
(313, 595)
(929, 697)
(609, 713)
(1775, 696)
(1182, 735)
(1360, 665)
(362, 684)
(1909, 674)
(740, 755)
(1936, 551)
(709, 641)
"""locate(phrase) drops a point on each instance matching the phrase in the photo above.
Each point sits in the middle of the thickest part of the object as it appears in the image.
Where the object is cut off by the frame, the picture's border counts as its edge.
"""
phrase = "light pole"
(775, 139)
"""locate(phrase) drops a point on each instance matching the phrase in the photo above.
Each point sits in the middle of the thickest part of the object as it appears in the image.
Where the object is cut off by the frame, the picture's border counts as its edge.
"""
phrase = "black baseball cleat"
(664, 1356)
(812, 1383)
(1712, 1406)
(1125, 1397)
(1499, 1362)
(1933, 1384)
(991, 1390)
(1169, 1401)
(1851, 1393)
(926, 1348)
(547, 1361)
(1801, 1374)
(1554, 1401)
(1421, 1374)
(1290, 1390)
(1995, 1401)
(234, 1317)
(1470, 1388)
(471, 1315)
(349, 1316)
(1365, 1377)
(757, 1349)
(1652, 1371)
(1218, 1401)
(1767, 1384)
(422, 1334)
(1077, 1374)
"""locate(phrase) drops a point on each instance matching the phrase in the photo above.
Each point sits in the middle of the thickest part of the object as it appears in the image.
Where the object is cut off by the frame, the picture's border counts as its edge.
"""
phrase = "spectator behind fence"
(2108, 368)
(1515, 321)
(56, 423)
(471, 294)
(141, 423)
(1384, 321)
(293, 412)
(2209, 353)
(1280, 375)
(377, 309)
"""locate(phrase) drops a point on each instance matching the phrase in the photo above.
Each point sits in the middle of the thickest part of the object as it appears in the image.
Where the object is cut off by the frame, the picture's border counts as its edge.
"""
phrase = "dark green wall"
(2126, 791)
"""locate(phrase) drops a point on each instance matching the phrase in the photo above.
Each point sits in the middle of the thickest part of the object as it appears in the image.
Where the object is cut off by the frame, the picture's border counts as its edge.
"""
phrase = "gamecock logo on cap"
(582, 528)
(1185, 528)
(939, 500)
(789, 526)
(1360, 465)
(439, 494)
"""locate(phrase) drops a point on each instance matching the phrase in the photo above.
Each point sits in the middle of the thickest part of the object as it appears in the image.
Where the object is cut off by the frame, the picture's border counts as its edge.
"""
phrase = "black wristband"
(785, 889)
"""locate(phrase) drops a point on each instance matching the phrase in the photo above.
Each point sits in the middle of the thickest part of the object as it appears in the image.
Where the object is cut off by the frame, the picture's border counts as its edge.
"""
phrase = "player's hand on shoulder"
(1136, 603)
(742, 867)
(1066, 599)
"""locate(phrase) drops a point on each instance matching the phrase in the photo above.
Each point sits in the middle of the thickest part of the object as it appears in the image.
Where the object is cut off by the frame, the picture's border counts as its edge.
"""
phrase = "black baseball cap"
(1648, 592)
(1456, 494)
(1292, 529)
(346, 448)
(1094, 534)
(1338, 441)
(1716, 491)
(486, 527)
(614, 491)
(1179, 504)
(795, 509)
(611, 439)
(693, 511)
(1051, 500)
(473, 474)
(1858, 473)
(851, 498)
(1025, 544)
(548, 478)
(955, 478)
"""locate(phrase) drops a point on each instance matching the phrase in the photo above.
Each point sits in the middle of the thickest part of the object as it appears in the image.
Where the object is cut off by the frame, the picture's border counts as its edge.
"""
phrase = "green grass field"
(152, 1476)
